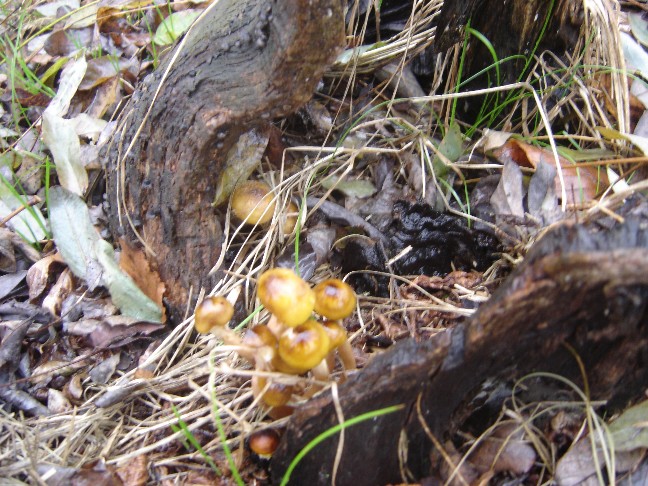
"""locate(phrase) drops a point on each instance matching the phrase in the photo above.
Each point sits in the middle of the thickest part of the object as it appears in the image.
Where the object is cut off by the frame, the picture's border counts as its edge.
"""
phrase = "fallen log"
(581, 288)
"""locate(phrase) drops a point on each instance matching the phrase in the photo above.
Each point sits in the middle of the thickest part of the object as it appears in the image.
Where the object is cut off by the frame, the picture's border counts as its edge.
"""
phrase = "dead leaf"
(73, 389)
(241, 160)
(134, 472)
(41, 274)
(10, 281)
(112, 330)
(504, 451)
(7, 255)
(509, 194)
(581, 183)
(95, 473)
(104, 68)
(68, 41)
(105, 97)
(57, 402)
(103, 371)
(133, 261)
(61, 289)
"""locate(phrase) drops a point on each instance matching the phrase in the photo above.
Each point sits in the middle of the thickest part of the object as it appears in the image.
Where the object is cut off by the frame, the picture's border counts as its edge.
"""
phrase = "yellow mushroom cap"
(286, 295)
(258, 336)
(336, 333)
(252, 202)
(334, 299)
(213, 312)
(303, 347)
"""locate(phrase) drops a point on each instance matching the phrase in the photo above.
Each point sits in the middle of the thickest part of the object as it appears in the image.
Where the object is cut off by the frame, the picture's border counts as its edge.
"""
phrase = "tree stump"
(242, 64)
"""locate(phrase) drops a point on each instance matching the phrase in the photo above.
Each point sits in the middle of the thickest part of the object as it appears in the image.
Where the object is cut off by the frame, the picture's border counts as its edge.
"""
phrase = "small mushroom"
(213, 312)
(264, 442)
(286, 296)
(338, 337)
(212, 316)
(303, 347)
(252, 202)
(334, 299)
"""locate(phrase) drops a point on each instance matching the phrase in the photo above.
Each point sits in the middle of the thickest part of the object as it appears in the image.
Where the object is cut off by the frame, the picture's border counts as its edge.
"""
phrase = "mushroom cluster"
(303, 335)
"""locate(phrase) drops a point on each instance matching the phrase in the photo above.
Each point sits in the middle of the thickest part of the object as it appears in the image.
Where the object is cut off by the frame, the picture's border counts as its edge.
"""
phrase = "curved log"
(584, 286)
(243, 63)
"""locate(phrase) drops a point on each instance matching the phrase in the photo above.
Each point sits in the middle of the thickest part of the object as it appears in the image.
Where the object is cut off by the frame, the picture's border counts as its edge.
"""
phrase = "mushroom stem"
(276, 326)
(346, 355)
(321, 371)
(227, 335)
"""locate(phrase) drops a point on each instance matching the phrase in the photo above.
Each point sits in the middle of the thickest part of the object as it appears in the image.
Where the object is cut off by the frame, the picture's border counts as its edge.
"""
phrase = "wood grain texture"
(245, 63)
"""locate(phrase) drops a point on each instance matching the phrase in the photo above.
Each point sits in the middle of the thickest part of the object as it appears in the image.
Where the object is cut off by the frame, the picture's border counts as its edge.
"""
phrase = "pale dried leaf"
(58, 293)
(40, 274)
(62, 140)
(71, 77)
(493, 139)
(57, 402)
(49, 9)
(87, 126)
(508, 196)
(83, 17)
(102, 372)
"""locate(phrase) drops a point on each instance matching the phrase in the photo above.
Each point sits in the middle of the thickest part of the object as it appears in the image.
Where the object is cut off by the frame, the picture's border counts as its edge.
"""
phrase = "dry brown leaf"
(134, 472)
(67, 41)
(105, 97)
(41, 274)
(133, 261)
(504, 450)
(581, 183)
(59, 291)
(112, 330)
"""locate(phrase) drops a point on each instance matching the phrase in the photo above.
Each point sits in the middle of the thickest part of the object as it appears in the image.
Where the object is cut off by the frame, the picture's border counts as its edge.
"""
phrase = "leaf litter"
(67, 349)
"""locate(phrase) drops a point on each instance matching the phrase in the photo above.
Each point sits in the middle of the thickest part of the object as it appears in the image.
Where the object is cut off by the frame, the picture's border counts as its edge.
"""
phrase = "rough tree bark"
(583, 286)
(245, 63)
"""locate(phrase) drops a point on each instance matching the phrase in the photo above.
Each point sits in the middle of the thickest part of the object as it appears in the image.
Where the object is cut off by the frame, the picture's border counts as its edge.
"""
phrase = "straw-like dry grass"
(133, 415)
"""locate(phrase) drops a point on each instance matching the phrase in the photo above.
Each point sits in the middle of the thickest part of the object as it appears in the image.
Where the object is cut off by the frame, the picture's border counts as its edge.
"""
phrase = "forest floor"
(96, 386)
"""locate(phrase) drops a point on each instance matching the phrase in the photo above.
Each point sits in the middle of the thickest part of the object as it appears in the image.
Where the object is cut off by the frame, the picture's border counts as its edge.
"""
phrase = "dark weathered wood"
(516, 31)
(584, 286)
(245, 63)
(513, 28)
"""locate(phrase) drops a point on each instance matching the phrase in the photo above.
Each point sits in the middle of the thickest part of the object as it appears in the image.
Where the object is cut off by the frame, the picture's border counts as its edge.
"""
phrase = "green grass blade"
(191, 439)
(332, 431)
